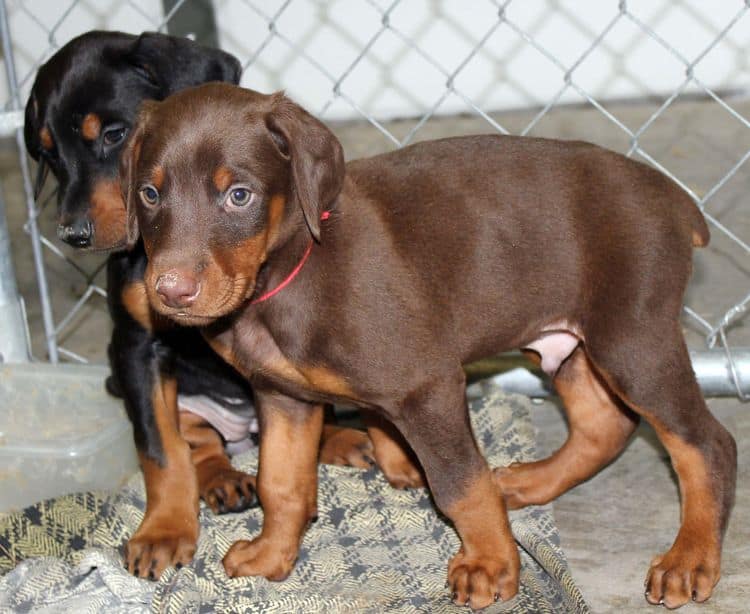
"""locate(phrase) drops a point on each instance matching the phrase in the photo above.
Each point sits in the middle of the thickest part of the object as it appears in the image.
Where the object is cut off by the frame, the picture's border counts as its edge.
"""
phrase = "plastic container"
(60, 432)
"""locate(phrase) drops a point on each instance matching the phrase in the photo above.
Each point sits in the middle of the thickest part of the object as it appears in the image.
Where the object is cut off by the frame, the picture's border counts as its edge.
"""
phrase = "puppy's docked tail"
(701, 234)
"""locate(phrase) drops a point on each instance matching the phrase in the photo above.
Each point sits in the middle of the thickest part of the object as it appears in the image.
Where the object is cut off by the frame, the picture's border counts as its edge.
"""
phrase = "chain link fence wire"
(395, 69)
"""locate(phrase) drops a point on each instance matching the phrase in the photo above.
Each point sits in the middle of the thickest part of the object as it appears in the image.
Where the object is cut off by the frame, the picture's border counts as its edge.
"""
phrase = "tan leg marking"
(287, 488)
(392, 453)
(169, 530)
(487, 566)
(221, 486)
(692, 566)
(346, 447)
(599, 427)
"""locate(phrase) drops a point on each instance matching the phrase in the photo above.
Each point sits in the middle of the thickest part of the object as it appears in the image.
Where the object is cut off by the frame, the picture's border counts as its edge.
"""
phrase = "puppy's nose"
(78, 233)
(177, 288)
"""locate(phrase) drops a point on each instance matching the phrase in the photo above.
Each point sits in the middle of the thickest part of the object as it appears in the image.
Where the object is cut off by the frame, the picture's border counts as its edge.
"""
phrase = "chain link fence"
(664, 81)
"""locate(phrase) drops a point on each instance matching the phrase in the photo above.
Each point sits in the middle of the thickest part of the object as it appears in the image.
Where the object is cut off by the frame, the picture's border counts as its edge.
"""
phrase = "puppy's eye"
(240, 197)
(113, 136)
(149, 195)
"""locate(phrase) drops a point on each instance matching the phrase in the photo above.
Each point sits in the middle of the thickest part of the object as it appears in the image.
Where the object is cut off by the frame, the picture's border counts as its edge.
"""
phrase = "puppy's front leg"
(434, 419)
(168, 533)
(290, 432)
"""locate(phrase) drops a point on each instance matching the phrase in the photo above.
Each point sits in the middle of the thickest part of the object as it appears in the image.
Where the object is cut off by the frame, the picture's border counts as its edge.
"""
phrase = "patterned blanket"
(373, 549)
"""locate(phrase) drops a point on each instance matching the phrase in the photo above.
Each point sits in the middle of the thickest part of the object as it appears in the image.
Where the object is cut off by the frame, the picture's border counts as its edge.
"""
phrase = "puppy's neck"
(282, 266)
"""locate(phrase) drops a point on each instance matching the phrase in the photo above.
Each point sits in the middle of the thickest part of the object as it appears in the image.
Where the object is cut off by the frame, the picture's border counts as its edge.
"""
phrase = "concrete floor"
(612, 525)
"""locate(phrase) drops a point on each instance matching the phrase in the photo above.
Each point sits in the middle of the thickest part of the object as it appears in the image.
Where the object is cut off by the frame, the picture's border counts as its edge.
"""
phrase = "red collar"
(288, 279)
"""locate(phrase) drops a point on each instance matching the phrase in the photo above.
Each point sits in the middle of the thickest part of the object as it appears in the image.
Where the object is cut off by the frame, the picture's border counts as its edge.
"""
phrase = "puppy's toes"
(346, 447)
(229, 491)
(150, 552)
(681, 575)
(403, 474)
(258, 557)
(478, 583)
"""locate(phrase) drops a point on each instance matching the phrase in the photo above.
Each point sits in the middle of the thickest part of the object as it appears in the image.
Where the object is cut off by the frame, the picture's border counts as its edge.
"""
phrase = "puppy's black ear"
(31, 133)
(172, 63)
(315, 155)
(31, 127)
(128, 166)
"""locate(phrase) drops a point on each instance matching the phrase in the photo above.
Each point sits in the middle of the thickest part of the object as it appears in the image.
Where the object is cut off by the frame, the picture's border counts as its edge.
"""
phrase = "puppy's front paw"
(479, 582)
(681, 575)
(228, 491)
(259, 557)
(158, 545)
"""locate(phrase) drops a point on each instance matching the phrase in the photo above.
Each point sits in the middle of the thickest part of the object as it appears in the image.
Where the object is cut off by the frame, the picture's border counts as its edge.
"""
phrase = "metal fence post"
(10, 71)
(14, 346)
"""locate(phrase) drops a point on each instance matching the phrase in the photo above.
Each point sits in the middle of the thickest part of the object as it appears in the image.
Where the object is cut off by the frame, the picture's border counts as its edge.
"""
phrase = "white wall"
(393, 79)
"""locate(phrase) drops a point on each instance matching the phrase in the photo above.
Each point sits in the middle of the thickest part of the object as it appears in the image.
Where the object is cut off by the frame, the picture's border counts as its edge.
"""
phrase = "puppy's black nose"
(80, 233)
(177, 288)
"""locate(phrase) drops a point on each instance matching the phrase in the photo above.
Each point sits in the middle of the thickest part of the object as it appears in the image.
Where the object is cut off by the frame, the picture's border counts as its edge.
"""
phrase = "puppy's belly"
(554, 345)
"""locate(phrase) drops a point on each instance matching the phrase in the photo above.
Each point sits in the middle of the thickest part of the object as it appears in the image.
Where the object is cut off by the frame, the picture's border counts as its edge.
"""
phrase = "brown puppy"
(372, 283)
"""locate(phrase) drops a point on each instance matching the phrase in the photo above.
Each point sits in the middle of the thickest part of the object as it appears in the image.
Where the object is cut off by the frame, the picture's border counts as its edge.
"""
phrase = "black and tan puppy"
(82, 105)
(371, 283)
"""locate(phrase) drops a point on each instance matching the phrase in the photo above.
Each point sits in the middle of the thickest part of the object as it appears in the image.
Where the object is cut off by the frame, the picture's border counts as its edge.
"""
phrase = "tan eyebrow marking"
(91, 126)
(222, 178)
(157, 177)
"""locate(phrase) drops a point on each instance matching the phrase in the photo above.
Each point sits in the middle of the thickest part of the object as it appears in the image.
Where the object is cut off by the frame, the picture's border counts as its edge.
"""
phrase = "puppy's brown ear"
(315, 154)
(128, 165)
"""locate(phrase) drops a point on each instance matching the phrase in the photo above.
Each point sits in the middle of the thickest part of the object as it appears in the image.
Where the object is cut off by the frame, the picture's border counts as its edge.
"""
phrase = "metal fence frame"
(727, 367)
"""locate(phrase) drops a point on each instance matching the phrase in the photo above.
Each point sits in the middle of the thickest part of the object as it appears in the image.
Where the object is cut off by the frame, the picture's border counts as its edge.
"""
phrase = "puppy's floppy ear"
(172, 63)
(31, 127)
(128, 165)
(315, 155)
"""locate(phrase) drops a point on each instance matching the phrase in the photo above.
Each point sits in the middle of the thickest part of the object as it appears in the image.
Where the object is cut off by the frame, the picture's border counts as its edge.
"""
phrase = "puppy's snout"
(177, 288)
(79, 233)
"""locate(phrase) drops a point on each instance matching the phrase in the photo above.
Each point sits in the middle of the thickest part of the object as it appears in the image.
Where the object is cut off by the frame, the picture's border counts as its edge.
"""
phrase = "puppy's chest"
(253, 351)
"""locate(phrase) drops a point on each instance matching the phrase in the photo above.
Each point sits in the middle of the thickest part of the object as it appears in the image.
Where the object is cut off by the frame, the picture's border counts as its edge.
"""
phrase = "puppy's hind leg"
(392, 453)
(653, 375)
(599, 426)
